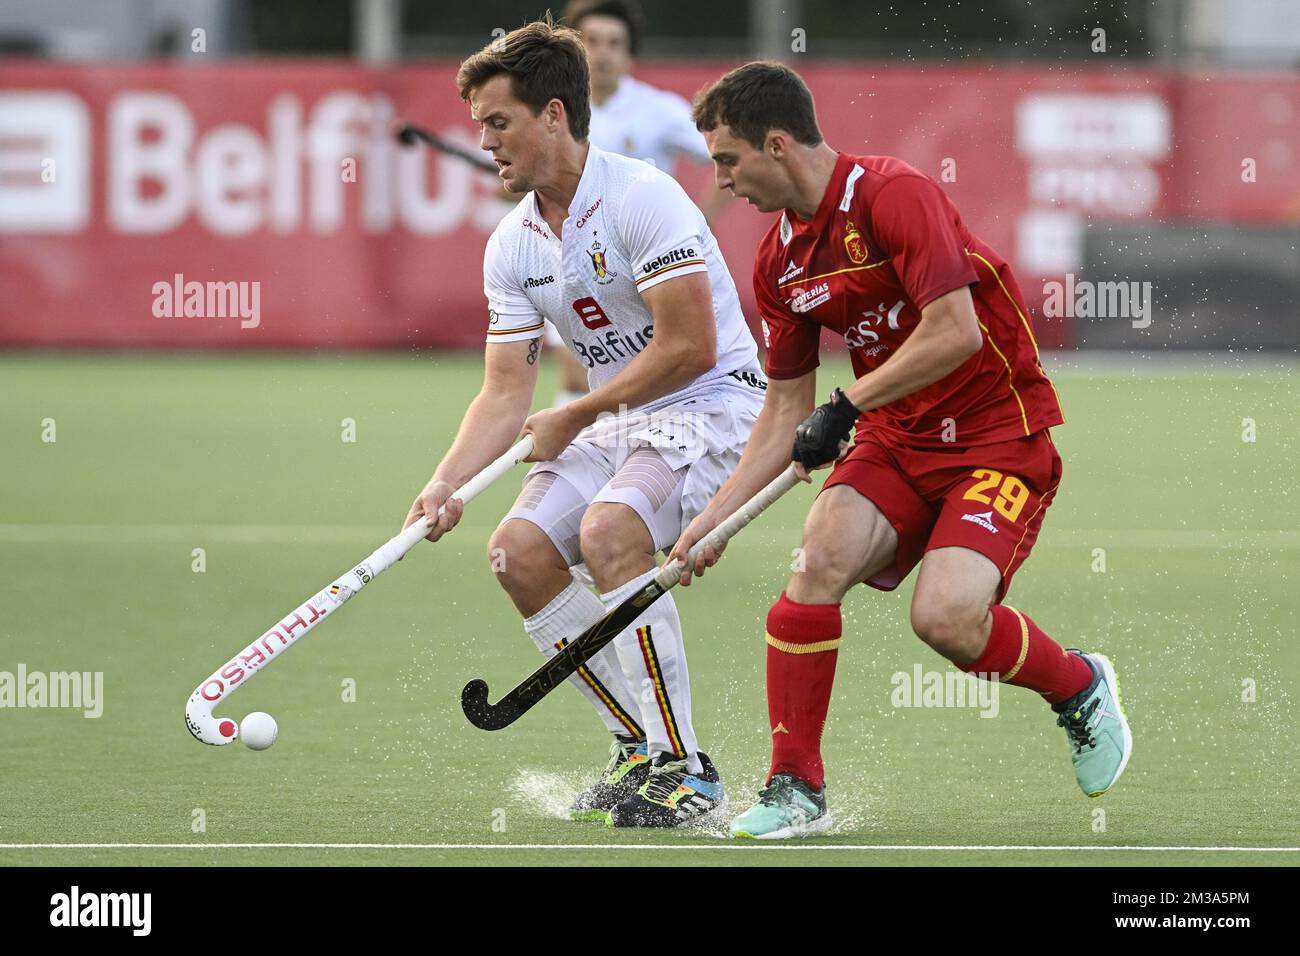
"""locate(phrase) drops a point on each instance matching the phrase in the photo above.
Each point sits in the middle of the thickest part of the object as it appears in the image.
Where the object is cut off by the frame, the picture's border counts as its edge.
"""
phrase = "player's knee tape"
(648, 485)
(556, 506)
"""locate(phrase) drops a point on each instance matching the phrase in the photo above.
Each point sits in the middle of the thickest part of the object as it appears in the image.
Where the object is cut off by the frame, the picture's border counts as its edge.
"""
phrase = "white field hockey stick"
(245, 665)
(474, 696)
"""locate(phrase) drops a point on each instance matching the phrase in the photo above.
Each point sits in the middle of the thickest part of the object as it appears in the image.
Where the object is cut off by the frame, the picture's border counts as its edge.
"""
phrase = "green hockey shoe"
(787, 807)
(1098, 733)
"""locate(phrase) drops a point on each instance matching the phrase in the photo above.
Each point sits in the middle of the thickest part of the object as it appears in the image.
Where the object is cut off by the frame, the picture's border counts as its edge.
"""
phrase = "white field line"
(806, 847)
(202, 535)
(1155, 366)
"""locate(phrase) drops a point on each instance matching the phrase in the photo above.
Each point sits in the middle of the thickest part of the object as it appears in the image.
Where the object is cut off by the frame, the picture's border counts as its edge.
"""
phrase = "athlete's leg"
(532, 552)
(846, 540)
(642, 503)
(989, 522)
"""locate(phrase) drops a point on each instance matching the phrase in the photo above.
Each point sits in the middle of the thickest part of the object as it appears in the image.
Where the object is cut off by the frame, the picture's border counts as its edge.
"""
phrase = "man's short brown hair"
(629, 11)
(756, 98)
(544, 62)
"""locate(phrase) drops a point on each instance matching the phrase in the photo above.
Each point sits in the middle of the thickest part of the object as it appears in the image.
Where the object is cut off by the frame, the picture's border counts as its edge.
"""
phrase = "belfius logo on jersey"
(599, 264)
(614, 347)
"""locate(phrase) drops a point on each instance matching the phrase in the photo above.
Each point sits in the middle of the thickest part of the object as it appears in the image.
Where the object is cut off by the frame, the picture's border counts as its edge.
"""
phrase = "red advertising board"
(122, 187)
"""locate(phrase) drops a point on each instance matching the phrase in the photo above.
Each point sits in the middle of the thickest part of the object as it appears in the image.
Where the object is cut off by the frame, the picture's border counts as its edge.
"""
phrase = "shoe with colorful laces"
(671, 795)
(629, 766)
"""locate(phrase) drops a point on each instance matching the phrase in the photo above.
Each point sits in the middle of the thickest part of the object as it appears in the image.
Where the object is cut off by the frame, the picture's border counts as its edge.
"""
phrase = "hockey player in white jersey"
(631, 118)
(614, 253)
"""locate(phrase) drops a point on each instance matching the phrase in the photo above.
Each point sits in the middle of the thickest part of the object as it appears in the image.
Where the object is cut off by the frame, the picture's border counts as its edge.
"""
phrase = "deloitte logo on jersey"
(531, 283)
(683, 254)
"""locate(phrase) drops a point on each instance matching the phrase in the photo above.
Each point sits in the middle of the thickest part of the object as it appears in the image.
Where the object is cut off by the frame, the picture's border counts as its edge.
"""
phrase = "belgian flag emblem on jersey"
(599, 264)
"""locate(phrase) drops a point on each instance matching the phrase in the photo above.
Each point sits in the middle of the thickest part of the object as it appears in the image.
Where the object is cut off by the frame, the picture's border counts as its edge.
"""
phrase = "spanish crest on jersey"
(853, 244)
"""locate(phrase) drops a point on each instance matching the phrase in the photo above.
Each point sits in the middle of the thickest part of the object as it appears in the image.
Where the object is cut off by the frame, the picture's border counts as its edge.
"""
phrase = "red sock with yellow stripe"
(802, 646)
(1021, 654)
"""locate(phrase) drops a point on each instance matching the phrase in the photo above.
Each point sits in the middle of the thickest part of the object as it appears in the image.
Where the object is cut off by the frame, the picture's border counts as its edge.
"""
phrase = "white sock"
(601, 679)
(654, 664)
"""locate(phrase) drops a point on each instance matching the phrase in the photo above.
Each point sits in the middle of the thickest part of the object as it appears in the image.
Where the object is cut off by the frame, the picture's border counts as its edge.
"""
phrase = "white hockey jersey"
(644, 122)
(630, 227)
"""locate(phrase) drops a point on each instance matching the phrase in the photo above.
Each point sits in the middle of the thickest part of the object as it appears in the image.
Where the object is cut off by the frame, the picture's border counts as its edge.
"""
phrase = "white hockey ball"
(258, 730)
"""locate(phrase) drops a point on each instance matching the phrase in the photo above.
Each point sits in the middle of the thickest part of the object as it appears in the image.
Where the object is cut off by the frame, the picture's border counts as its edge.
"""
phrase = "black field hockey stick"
(408, 134)
(486, 716)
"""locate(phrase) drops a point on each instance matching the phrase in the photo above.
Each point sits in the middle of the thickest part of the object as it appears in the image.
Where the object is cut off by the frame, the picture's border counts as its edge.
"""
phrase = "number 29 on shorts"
(1011, 492)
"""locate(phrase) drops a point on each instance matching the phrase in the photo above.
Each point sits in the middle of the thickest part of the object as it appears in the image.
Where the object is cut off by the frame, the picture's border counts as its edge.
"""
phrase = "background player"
(613, 252)
(630, 118)
(953, 465)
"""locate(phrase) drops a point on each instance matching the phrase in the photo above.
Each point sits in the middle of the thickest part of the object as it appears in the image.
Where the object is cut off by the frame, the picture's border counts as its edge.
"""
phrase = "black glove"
(822, 436)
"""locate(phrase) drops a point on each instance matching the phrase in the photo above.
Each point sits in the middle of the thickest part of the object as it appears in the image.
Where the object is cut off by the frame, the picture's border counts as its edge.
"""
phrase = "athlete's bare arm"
(683, 348)
(947, 335)
(490, 424)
